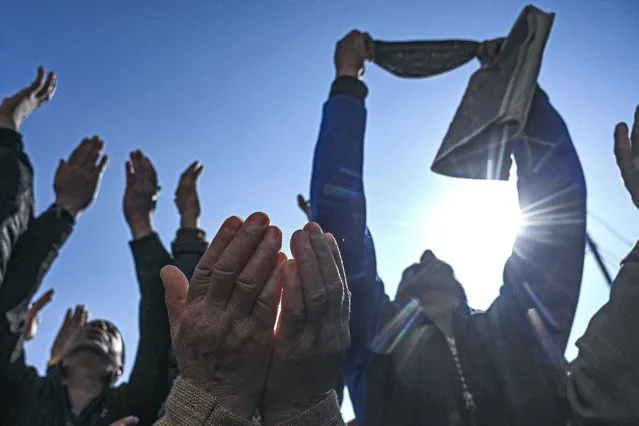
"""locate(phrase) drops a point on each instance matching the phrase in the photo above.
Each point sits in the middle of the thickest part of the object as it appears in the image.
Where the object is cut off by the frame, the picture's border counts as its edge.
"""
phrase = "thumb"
(126, 421)
(176, 288)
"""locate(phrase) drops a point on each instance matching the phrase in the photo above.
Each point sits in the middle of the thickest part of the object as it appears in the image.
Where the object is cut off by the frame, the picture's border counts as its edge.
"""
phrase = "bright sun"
(473, 227)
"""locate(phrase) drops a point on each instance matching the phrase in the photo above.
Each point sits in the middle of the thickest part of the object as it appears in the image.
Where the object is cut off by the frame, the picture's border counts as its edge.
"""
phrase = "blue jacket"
(544, 271)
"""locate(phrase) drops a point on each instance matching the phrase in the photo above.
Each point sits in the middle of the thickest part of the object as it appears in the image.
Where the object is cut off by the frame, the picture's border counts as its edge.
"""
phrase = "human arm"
(146, 389)
(76, 185)
(603, 383)
(338, 204)
(545, 269)
(190, 241)
(16, 172)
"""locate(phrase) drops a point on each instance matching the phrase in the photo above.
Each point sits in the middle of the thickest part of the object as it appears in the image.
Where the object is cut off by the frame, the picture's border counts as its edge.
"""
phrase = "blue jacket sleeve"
(545, 269)
(339, 206)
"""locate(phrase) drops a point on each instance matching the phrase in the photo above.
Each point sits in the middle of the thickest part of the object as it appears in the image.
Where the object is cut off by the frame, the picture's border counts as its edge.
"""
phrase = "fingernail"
(273, 233)
(234, 223)
(313, 228)
(257, 219)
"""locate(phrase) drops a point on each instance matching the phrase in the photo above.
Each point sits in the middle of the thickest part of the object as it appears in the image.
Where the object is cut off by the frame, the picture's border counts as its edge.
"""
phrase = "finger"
(202, 275)
(43, 301)
(128, 170)
(329, 270)
(189, 170)
(84, 315)
(36, 86)
(148, 171)
(623, 151)
(313, 286)
(337, 256)
(138, 164)
(198, 171)
(94, 149)
(101, 167)
(369, 46)
(235, 257)
(251, 280)
(176, 288)
(126, 421)
(53, 87)
(43, 92)
(67, 318)
(79, 154)
(78, 314)
(292, 314)
(267, 304)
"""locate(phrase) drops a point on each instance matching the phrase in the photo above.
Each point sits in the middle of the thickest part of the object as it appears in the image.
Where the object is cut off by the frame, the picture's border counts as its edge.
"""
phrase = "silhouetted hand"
(222, 324)
(305, 206)
(313, 332)
(77, 180)
(70, 325)
(140, 195)
(627, 154)
(127, 421)
(186, 196)
(15, 109)
(351, 52)
(489, 51)
(32, 319)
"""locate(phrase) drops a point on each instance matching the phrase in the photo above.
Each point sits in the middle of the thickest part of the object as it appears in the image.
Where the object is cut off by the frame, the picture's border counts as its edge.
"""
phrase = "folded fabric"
(494, 109)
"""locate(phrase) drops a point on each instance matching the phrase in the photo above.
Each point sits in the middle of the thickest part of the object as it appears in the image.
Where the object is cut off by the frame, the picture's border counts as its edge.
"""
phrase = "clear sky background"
(239, 85)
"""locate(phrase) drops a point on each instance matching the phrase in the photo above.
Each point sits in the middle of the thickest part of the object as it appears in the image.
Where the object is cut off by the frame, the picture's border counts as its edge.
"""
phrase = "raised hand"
(32, 318)
(186, 196)
(222, 324)
(305, 206)
(351, 52)
(627, 155)
(312, 336)
(15, 109)
(140, 195)
(73, 321)
(77, 180)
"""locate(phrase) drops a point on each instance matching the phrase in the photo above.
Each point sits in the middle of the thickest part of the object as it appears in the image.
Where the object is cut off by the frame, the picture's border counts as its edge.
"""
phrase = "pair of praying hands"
(223, 326)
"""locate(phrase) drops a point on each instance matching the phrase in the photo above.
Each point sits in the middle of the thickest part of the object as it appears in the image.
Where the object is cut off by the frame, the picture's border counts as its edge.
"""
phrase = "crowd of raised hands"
(254, 336)
(253, 332)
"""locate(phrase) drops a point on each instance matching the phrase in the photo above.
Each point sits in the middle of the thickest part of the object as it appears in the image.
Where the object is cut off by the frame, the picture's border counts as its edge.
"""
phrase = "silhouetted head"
(98, 345)
(430, 276)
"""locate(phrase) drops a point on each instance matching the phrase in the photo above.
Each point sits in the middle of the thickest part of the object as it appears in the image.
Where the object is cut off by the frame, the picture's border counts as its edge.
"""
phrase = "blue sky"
(239, 86)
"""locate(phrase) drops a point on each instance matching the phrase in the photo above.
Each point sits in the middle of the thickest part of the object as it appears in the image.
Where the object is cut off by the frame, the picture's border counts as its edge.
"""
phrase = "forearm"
(16, 194)
(338, 205)
(146, 387)
(604, 378)
(547, 262)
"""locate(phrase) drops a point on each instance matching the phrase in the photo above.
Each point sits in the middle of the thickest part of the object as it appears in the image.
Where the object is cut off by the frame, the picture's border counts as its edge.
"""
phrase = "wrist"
(189, 222)
(68, 207)
(140, 228)
(6, 123)
(347, 72)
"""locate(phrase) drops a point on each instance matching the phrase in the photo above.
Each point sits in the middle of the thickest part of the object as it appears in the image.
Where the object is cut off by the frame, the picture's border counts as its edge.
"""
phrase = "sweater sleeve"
(188, 405)
(604, 378)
